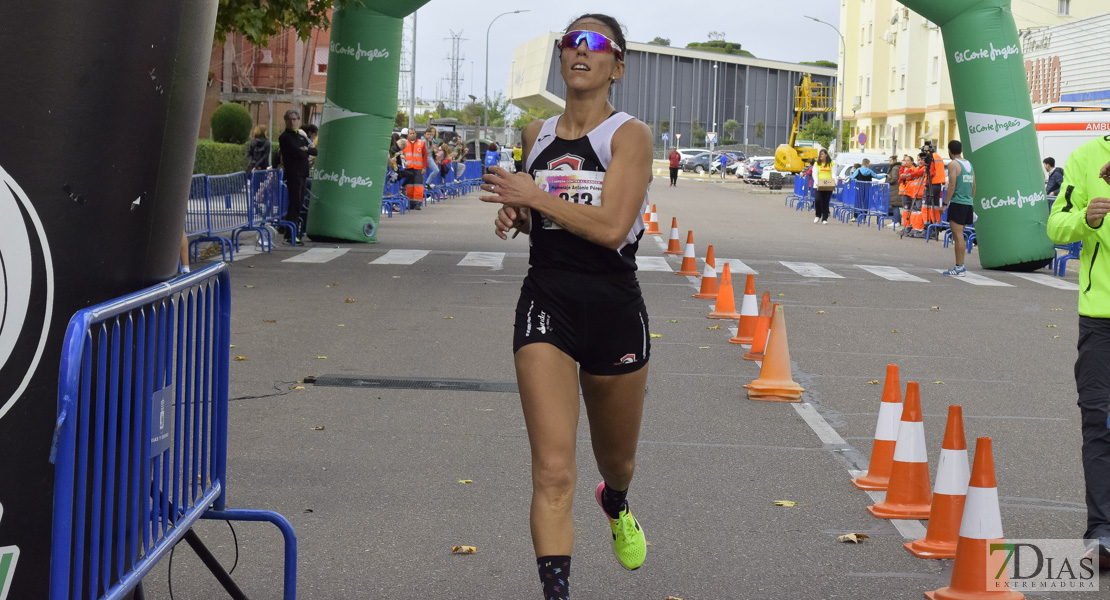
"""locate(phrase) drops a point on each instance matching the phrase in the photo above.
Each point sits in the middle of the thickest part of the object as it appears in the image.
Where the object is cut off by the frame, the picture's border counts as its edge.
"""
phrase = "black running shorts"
(961, 214)
(599, 320)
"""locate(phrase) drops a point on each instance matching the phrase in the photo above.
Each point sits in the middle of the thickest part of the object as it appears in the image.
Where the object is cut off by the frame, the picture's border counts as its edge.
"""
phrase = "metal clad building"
(657, 78)
(1068, 62)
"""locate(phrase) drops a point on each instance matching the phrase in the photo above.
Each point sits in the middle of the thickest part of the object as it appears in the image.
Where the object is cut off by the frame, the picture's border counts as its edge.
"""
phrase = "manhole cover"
(417, 383)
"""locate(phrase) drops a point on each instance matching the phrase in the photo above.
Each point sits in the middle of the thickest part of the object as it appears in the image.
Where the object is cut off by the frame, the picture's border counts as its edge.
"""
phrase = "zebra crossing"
(496, 261)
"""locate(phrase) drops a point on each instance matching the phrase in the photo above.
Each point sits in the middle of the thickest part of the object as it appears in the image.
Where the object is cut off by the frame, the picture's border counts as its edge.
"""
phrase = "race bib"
(579, 187)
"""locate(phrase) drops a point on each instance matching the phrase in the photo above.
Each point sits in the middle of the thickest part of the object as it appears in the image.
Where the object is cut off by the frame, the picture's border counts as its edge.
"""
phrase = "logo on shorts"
(26, 291)
(566, 162)
(627, 359)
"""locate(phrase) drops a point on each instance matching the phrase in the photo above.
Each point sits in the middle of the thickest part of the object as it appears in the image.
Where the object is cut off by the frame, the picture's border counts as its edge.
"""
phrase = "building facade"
(896, 85)
(675, 90)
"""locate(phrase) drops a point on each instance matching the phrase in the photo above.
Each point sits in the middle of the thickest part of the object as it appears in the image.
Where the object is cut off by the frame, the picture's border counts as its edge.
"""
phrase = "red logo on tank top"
(566, 162)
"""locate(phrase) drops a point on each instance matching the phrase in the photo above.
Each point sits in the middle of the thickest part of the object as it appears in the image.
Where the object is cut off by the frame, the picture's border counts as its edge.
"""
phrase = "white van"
(1065, 126)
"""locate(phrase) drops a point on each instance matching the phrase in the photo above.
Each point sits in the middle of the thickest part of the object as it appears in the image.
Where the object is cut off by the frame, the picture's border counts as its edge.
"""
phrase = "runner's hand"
(510, 189)
(1096, 210)
(1104, 173)
(510, 218)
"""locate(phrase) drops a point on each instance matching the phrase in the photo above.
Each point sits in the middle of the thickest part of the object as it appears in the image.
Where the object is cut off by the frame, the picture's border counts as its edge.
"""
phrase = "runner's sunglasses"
(595, 41)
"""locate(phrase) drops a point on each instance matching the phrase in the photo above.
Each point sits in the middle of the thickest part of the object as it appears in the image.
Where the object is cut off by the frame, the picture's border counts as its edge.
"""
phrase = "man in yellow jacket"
(1078, 215)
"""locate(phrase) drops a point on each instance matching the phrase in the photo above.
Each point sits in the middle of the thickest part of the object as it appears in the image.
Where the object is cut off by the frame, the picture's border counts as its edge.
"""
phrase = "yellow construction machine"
(809, 97)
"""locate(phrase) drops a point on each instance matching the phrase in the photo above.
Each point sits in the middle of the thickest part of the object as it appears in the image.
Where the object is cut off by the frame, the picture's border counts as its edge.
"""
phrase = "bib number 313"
(579, 187)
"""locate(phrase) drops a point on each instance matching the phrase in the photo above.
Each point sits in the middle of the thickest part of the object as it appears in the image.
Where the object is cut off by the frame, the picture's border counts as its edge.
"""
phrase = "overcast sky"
(772, 29)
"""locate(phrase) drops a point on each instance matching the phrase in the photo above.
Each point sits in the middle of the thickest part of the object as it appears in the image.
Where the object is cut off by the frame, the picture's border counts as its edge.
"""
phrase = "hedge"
(215, 158)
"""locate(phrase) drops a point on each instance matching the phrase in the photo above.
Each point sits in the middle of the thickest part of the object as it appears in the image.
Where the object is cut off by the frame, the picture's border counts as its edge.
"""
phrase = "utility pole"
(713, 144)
(412, 79)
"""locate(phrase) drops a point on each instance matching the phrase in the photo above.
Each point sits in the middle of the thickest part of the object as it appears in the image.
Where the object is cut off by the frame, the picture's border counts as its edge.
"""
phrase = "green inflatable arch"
(358, 116)
(995, 117)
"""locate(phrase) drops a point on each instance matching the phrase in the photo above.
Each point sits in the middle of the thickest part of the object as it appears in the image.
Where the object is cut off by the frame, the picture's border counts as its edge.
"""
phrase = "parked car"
(699, 163)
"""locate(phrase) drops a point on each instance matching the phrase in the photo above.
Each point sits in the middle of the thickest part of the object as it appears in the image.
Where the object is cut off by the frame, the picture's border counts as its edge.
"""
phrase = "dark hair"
(311, 129)
(1050, 161)
(611, 23)
(955, 147)
(492, 146)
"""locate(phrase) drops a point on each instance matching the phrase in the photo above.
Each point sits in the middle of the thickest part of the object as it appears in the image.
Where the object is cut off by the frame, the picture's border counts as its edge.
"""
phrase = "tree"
(401, 120)
(845, 133)
(720, 46)
(660, 41)
(759, 130)
(534, 113)
(730, 127)
(716, 36)
(257, 21)
(819, 130)
(698, 133)
(664, 126)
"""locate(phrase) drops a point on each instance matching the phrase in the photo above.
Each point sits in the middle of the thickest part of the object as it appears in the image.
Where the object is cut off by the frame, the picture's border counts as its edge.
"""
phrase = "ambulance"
(1063, 127)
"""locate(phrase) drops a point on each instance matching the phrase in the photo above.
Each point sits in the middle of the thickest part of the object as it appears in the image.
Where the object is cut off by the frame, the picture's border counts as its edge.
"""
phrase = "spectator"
(430, 137)
(312, 132)
(823, 169)
(394, 147)
(295, 150)
(1080, 219)
(723, 161)
(518, 158)
(443, 159)
(934, 181)
(493, 157)
(1055, 177)
(675, 158)
(895, 191)
(864, 173)
(258, 151)
(913, 184)
(416, 160)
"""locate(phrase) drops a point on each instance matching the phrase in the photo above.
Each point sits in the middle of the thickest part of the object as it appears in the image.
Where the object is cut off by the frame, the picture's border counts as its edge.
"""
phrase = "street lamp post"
(670, 138)
(485, 114)
(839, 78)
(713, 144)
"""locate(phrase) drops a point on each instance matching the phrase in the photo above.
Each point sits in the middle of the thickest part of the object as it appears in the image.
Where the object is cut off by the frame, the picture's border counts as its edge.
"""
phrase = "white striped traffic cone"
(653, 224)
(980, 526)
(886, 435)
(908, 494)
(708, 277)
(673, 245)
(949, 493)
(749, 314)
(689, 261)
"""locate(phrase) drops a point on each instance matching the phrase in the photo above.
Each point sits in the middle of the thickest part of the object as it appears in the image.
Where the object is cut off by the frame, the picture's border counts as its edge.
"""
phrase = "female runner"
(581, 319)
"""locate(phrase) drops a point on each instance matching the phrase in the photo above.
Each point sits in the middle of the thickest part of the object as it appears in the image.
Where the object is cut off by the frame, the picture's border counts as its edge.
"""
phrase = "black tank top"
(553, 247)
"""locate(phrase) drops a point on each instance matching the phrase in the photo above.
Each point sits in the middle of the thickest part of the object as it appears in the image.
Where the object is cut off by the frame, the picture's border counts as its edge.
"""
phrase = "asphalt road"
(370, 477)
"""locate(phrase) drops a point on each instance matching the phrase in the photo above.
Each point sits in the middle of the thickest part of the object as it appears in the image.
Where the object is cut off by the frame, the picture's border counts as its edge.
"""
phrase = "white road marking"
(653, 263)
(818, 423)
(1049, 280)
(318, 255)
(807, 269)
(400, 257)
(891, 273)
(977, 279)
(492, 260)
(660, 242)
(735, 265)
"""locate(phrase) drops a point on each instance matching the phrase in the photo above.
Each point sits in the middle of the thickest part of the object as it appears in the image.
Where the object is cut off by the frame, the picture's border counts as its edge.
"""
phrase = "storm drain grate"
(417, 383)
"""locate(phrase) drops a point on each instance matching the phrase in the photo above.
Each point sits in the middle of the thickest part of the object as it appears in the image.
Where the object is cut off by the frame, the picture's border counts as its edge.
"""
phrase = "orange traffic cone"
(980, 526)
(673, 246)
(907, 495)
(689, 261)
(762, 329)
(949, 493)
(708, 277)
(653, 224)
(749, 314)
(726, 301)
(647, 215)
(776, 383)
(886, 435)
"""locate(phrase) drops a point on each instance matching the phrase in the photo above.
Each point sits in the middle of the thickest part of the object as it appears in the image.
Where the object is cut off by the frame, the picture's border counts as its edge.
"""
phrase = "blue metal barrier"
(269, 199)
(140, 445)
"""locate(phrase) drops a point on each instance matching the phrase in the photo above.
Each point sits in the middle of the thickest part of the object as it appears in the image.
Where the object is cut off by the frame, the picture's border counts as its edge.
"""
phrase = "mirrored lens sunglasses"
(595, 41)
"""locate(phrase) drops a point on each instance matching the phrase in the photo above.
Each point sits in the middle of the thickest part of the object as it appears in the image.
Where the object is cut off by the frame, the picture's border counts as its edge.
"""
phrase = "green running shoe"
(629, 544)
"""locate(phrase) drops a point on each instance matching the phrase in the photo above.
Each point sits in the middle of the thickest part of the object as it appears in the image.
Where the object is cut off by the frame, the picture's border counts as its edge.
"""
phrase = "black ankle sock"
(555, 577)
(613, 501)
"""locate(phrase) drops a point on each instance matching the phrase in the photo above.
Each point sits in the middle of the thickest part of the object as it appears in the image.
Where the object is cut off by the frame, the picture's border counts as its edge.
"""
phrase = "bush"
(231, 123)
(215, 158)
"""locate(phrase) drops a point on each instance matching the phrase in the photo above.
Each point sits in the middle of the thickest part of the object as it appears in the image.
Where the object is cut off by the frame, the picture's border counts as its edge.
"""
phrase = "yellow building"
(896, 73)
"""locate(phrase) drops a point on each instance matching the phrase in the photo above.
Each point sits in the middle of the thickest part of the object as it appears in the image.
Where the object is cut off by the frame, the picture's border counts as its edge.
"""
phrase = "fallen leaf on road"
(240, 358)
(1057, 309)
(341, 325)
(894, 331)
(308, 510)
(672, 598)
(1055, 337)
(1050, 326)
(656, 335)
(269, 321)
(298, 387)
(464, 549)
(853, 538)
(786, 503)
(714, 327)
(703, 347)
(231, 346)
(349, 300)
(873, 382)
(673, 321)
(321, 358)
(249, 286)
(820, 312)
(934, 308)
(396, 276)
(938, 382)
(448, 317)
(782, 295)
(466, 481)
(318, 428)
